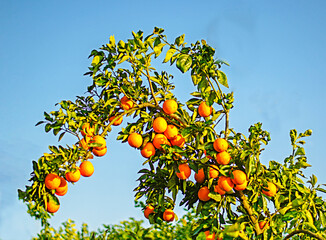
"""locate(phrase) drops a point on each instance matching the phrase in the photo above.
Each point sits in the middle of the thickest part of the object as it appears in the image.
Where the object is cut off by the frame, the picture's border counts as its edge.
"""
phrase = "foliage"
(126, 69)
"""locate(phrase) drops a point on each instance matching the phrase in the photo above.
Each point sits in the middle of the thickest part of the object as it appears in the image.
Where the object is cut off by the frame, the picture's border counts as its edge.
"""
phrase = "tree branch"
(295, 232)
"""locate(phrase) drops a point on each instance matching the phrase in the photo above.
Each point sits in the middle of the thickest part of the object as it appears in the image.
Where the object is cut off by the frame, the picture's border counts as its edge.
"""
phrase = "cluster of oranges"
(168, 214)
(88, 137)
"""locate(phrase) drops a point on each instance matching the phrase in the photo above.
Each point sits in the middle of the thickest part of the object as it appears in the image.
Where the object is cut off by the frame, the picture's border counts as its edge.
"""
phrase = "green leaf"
(222, 79)
(293, 135)
(179, 40)
(40, 122)
(158, 49)
(321, 190)
(184, 62)
(169, 54)
(300, 151)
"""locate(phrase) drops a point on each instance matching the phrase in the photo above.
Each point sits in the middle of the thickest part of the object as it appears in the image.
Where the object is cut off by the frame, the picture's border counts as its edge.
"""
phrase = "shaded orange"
(203, 194)
(87, 130)
(209, 236)
(241, 187)
(239, 177)
(225, 183)
(171, 132)
(170, 106)
(262, 224)
(218, 190)
(99, 152)
(126, 103)
(73, 176)
(213, 172)
(116, 122)
(63, 187)
(184, 171)
(160, 139)
(52, 205)
(52, 181)
(135, 140)
(220, 145)
(223, 158)
(200, 176)
(168, 215)
(178, 141)
(148, 150)
(271, 190)
(100, 140)
(159, 125)
(204, 110)
(86, 169)
(148, 210)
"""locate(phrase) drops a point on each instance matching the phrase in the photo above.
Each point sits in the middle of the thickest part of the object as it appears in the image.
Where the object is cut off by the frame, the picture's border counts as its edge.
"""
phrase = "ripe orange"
(126, 103)
(272, 189)
(218, 190)
(99, 152)
(116, 122)
(52, 181)
(200, 176)
(220, 145)
(241, 187)
(148, 210)
(184, 171)
(135, 140)
(86, 169)
(160, 125)
(239, 177)
(213, 172)
(171, 132)
(170, 106)
(148, 150)
(160, 139)
(168, 215)
(262, 224)
(203, 194)
(53, 205)
(178, 141)
(63, 187)
(223, 158)
(225, 183)
(87, 130)
(73, 176)
(100, 140)
(204, 110)
(209, 236)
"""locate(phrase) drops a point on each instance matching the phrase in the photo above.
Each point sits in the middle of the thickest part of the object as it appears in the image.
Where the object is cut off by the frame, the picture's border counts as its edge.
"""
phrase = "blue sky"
(277, 54)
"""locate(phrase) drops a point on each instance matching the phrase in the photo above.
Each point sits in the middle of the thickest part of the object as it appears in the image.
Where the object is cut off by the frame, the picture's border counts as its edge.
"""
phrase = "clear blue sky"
(277, 54)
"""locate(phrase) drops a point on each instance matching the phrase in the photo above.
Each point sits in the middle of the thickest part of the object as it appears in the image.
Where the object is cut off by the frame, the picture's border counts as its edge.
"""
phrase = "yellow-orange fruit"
(262, 224)
(52, 206)
(225, 183)
(209, 236)
(160, 139)
(126, 103)
(220, 145)
(160, 125)
(223, 158)
(99, 152)
(200, 176)
(184, 171)
(87, 130)
(170, 106)
(213, 172)
(73, 176)
(241, 187)
(218, 190)
(178, 141)
(63, 187)
(204, 110)
(52, 181)
(100, 140)
(148, 150)
(148, 210)
(86, 169)
(116, 122)
(83, 143)
(171, 132)
(239, 177)
(168, 215)
(271, 190)
(135, 140)
(203, 194)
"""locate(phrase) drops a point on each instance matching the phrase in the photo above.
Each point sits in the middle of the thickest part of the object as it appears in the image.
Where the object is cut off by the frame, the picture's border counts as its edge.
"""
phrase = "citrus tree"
(235, 195)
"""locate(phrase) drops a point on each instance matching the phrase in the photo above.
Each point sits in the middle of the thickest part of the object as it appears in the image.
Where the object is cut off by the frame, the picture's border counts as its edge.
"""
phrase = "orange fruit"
(178, 141)
(159, 125)
(241, 187)
(148, 210)
(63, 187)
(73, 176)
(271, 190)
(87, 130)
(160, 139)
(100, 140)
(86, 169)
(213, 172)
(170, 106)
(168, 215)
(135, 140)
(204, 110)
(218, 190)
(225, 183)
(53, 206)
(262, 224)
(99, 152)
(200, 176)
(171, 132)
(84, 144)
(220, 145)
(148, 150)
(223, 158)
(126, 103)
(203, 194)
(116, 122)
(209, 236)
(184, 171)
(239, 177)
(52, 181)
